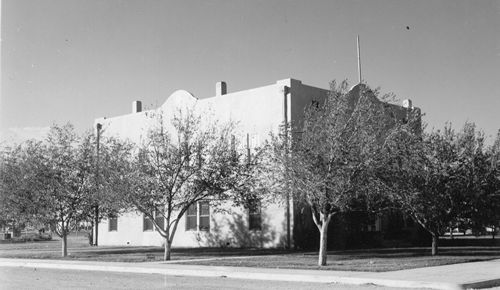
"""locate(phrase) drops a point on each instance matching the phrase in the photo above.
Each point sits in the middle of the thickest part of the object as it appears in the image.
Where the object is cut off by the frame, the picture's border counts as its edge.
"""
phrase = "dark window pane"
(204, 223)
(147, 224)
(191, 217)
(204, 209)
(254, 222)
(191, 210)
(255, 216)
(190, 223)
(204, 216)
(113, 224)
(160, 221)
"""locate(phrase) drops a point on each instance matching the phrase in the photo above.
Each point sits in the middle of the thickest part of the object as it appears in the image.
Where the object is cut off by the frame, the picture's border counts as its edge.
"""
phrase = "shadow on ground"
(351, 260)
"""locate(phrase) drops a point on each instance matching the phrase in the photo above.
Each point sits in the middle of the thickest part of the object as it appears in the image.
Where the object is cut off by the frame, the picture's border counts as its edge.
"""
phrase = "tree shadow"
(236, 233)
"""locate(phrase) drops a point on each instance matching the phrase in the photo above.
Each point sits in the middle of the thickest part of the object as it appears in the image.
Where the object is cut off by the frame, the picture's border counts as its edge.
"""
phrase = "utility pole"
(96, 206)
(359, 62)
(287, 122)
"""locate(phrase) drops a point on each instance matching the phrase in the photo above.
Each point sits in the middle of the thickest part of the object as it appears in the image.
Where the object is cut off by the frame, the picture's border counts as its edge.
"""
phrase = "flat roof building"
(257, 112)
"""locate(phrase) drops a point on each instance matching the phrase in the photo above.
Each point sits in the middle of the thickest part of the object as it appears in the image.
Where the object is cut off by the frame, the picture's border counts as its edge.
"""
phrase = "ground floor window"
(160, 220)
(204, 224)
(147, 223)
(255, 216)
(191, 217)
(375, 225)
(198, 217)
(112, 223)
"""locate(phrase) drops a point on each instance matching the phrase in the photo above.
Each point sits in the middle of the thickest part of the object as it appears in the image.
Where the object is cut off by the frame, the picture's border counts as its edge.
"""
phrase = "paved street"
(457, 276)
(29, 278)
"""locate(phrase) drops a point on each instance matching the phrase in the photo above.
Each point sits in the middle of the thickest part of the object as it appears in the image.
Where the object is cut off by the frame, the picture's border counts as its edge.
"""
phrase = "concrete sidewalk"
(458, 276)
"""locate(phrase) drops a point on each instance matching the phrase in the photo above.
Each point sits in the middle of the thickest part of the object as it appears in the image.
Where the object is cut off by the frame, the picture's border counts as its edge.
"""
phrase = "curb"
(230, 272)
(482, 284)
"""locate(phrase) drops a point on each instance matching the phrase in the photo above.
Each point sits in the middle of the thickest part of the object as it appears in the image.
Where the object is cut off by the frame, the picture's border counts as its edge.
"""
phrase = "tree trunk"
(323, 241)
(64, 244)
(435, 239)
(168, 250)
(96, 225)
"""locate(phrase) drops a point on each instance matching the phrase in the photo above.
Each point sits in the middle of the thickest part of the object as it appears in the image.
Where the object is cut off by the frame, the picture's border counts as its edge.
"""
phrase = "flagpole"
(359, 62)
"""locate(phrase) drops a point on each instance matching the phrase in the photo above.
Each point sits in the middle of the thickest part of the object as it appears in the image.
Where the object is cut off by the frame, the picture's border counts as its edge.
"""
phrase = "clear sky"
(68, 60)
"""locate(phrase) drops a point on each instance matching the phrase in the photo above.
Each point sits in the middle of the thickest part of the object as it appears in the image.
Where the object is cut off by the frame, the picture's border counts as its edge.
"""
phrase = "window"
(198, 217)
(204, 216)
(375, 225)
(255, 216)
(160, 220)
(147, 224)
(112, 223)
(191, 217)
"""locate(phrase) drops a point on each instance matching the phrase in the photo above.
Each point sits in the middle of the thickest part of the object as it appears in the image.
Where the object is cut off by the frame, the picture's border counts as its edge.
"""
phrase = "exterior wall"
(257, 112)
(130, 232)
(308, 95)
(227, 229)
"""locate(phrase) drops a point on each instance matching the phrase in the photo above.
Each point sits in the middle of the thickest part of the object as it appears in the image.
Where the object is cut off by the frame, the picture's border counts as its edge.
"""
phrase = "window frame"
(110, 219)
(201, 215)
(375, 226)
(157, 220)
(255, 216)
(189, 226)
(146, 221)
(194, 215)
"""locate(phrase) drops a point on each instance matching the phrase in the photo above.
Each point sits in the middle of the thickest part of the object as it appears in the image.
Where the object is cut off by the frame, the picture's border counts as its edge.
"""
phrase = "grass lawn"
(377, 260)
(79, 249)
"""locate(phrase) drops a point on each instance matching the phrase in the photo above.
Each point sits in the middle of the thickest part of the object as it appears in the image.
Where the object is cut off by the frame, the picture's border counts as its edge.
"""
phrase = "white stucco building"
(257, 111)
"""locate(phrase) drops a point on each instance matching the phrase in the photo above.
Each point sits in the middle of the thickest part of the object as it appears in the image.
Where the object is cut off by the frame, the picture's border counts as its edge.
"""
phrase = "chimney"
(136, 107)
(407, 104)
(220, 88)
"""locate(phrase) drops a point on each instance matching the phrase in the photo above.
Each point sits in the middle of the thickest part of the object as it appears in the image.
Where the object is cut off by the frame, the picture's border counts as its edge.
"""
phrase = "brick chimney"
(136, 107)
(407, 104)
(220, 88)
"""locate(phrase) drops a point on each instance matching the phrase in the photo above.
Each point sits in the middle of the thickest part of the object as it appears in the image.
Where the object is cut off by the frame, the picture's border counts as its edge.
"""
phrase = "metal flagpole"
(359, 63)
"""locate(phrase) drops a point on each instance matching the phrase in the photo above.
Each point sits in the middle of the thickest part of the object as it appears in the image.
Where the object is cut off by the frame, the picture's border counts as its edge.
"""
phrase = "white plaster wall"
(303, 96)
(130, 232)
(228, 228)
(258, 112)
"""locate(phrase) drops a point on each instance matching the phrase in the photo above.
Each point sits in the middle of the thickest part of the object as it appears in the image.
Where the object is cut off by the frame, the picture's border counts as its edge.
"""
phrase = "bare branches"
(330, 164)
(184, 160)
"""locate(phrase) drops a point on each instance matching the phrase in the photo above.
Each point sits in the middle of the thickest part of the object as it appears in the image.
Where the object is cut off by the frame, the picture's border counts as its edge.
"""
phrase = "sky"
(78, 60)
